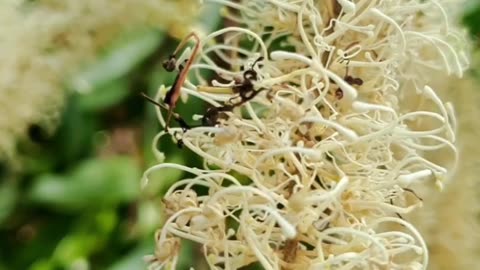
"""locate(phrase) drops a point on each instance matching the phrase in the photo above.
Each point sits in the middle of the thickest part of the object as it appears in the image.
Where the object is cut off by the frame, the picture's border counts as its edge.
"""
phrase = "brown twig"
(173, 94)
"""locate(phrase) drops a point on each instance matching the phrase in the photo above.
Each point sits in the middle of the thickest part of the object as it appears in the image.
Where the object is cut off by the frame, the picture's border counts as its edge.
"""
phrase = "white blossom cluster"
(330, 124)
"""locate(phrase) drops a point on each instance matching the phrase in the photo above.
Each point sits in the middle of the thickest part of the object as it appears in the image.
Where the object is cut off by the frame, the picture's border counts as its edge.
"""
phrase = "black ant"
(245, 88)
(245, 91)
(350, 80)
(211, 116)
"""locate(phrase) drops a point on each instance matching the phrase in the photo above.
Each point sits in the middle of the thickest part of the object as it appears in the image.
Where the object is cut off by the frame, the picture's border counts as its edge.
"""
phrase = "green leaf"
(134, 259)
(121, 58)
(103, 97)
(74, 247)
(94, 183)
(472, 17)
(90, 236)
(8, 198)
(73, 140)
(43, 264)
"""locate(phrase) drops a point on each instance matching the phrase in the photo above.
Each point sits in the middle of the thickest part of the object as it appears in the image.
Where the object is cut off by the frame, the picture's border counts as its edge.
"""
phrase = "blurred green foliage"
(75, 202)
(471, 18)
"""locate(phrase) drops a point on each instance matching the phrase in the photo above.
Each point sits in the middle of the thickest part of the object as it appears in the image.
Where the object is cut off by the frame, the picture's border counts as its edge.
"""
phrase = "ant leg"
(181, 122)
(398, 215)
(179, 139)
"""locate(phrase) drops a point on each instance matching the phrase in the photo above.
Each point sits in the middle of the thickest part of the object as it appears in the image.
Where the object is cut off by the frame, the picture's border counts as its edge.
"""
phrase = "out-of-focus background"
(76, 136)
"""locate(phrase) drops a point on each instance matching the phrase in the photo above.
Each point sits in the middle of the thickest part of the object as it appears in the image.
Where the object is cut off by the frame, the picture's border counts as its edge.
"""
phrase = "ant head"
(250, 75)
(170, 64)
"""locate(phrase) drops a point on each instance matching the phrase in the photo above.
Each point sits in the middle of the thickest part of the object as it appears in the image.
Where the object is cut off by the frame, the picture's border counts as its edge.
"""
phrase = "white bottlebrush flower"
(327, 118)
(43, 42)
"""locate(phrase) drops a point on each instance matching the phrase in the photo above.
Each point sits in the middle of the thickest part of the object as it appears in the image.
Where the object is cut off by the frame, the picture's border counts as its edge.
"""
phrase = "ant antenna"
(151, 100)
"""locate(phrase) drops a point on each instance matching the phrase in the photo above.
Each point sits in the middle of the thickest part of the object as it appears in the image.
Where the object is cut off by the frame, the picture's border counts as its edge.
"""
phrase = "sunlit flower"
(317, 121)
